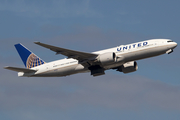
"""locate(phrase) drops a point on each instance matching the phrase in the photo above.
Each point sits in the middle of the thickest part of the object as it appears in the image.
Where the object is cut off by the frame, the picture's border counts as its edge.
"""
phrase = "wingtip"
(5, 67)
(36, 42)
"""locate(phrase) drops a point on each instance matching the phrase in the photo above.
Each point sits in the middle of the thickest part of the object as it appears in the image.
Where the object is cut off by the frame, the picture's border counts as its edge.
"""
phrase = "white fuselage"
(124, 53)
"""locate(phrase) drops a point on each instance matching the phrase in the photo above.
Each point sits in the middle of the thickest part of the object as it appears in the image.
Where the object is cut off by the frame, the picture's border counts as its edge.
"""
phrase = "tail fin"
(29, 59)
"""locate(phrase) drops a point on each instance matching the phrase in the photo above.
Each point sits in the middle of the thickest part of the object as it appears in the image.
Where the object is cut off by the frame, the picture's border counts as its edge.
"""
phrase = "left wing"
(81, 56)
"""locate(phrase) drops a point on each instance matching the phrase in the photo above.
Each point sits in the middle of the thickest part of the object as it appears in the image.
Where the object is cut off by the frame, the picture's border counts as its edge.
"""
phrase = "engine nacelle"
(107, 58)
(128, 67)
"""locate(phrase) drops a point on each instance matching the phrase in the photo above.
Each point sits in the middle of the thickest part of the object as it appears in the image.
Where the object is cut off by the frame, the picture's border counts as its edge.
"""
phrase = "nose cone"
(174, 45)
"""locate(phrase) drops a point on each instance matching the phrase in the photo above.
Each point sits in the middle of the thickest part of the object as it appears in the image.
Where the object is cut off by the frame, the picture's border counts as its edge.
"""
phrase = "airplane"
(121, 58)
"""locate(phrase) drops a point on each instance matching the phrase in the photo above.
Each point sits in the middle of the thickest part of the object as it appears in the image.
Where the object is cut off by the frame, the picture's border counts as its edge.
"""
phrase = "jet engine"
(128, 67)
(107, 58)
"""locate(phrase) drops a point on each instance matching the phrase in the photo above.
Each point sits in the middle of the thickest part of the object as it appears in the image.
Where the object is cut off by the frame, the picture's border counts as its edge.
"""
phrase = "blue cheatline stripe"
(29, 59)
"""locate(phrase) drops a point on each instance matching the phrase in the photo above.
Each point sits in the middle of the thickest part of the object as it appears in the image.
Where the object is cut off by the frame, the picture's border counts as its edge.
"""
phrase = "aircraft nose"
(175, 44)
(172, 45)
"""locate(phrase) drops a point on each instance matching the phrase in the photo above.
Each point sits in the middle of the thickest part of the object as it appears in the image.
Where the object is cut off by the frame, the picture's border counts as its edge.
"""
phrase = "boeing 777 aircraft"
(121, 58)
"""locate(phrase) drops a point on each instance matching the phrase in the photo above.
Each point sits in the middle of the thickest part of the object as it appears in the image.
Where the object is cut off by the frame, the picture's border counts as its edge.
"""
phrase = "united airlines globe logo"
(33, 61)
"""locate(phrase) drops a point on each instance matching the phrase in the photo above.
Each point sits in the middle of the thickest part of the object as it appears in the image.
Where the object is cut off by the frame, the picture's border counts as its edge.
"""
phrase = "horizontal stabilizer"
(25, 70)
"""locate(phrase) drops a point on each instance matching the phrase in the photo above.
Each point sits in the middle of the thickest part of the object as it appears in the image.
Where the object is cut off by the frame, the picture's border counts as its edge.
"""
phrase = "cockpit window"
(169, 41)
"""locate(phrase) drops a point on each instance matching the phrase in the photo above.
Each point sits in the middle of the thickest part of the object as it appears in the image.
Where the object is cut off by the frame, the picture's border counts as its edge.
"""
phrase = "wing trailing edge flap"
(25, 70)
(81, 56)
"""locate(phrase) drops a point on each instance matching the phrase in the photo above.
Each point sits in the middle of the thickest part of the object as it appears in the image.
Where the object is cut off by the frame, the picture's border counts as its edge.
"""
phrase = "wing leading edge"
(81, 56)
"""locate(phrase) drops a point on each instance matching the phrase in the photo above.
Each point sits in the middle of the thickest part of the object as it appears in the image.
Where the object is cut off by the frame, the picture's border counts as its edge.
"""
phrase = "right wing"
(81, 56)
(25, 70)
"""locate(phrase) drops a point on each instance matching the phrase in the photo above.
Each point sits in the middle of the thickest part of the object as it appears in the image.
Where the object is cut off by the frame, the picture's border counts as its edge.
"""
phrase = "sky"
(152, 92)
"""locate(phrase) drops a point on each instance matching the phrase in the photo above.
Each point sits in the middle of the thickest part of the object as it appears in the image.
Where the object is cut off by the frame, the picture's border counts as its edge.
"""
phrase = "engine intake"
(128, 67)
(107, 58)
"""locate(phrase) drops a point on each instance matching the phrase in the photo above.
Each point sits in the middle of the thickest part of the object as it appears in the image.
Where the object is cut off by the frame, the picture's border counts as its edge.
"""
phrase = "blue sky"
(152, 92)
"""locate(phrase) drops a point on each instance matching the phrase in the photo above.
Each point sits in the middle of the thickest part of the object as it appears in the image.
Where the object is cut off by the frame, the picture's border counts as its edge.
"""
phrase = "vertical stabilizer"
(29, 59)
